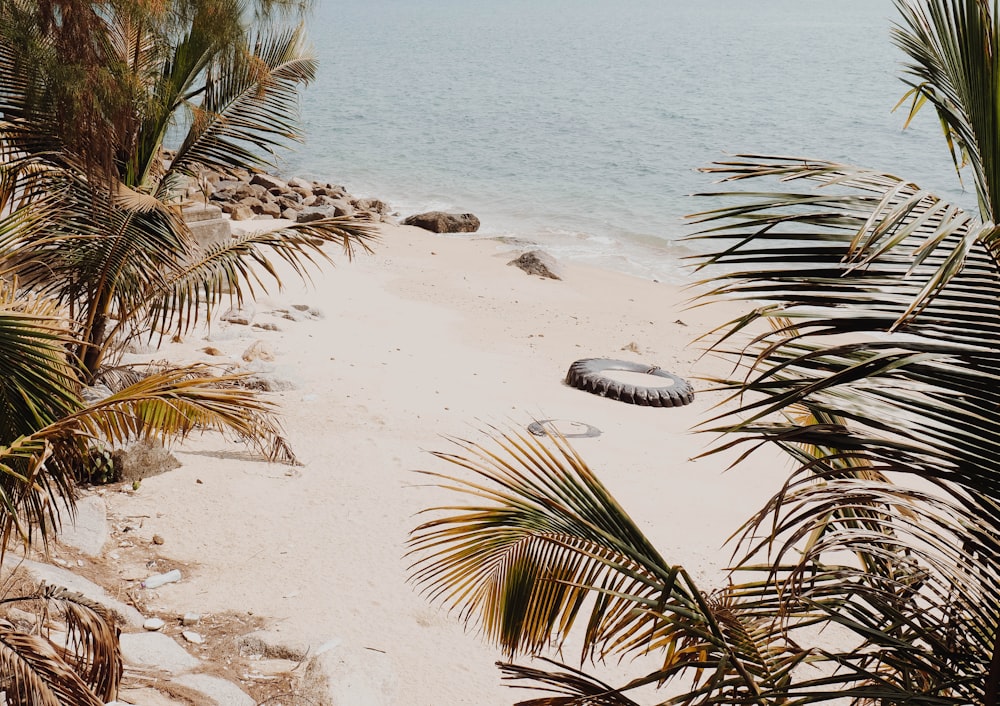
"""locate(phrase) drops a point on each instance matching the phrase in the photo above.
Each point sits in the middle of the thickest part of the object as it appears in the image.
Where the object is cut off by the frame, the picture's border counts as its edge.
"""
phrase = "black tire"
(588, 375)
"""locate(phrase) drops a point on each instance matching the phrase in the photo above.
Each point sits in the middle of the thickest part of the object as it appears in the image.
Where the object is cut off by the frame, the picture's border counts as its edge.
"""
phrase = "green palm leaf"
(248, 104)
(544, 536)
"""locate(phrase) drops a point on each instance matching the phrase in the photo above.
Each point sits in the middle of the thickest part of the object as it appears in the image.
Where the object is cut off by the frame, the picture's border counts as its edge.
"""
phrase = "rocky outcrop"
(244, 195)
(442, 222)
(537, 262)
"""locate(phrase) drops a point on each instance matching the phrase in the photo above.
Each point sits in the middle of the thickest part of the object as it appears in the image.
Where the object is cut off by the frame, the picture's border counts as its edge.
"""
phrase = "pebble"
(157, 539)
(192, 637)
(153, 624)
(190, 619)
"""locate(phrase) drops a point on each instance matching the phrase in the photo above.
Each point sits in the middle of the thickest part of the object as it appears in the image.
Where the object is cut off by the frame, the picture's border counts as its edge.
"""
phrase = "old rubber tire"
(588, 374)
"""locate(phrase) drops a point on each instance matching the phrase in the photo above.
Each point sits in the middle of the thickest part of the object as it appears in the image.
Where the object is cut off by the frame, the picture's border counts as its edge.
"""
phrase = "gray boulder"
(441, 222)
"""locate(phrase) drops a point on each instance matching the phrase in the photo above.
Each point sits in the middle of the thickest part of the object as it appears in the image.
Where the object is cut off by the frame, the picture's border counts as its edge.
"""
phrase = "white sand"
(420, 340)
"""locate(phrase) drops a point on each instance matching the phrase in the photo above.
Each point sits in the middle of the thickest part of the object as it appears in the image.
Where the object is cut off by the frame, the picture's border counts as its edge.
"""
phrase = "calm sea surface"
(579, 124)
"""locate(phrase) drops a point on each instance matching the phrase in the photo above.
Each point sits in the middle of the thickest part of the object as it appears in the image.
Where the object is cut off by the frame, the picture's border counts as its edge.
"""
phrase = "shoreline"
(430, 336)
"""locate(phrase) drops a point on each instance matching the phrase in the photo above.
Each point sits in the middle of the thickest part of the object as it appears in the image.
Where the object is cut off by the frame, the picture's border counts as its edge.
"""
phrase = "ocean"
(580, 124)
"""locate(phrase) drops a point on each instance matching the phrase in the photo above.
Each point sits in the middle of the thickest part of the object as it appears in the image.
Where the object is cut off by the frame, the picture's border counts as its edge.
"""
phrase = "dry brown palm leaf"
(34, 674)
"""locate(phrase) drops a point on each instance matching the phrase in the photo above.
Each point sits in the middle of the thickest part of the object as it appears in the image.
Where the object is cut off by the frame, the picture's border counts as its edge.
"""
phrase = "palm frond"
(953, 66)
(577, 688)
(33, 674)
(249, 105)
(171, 404)
(885, 326)
(240, 267)
(544, 536)
(91, 648)
(38, 383)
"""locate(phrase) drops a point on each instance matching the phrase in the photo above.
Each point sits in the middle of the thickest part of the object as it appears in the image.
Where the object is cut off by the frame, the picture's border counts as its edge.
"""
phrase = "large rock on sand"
(441, 222)
(537, 262)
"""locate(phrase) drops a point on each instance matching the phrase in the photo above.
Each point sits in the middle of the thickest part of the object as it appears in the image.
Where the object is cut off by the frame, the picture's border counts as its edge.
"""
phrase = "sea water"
(580, 124)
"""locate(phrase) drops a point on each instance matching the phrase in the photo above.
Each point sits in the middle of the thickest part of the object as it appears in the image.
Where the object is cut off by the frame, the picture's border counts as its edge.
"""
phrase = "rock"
(537, 262)
(372, 205)
(61, 577)
(216, 690)
(441, 222)
(227, 185)
(315, 213)
(342, 208)
(258, 350)
(241, 316)
(190, 619)
(268, 382)
(153, 624)
(299, 183)
(212, 350)
(154, 649)
(143, 459)
(268, 181)
(193, 637)
(290, 214)
(270, 209)
(88, 530)
(271, 644)
(158, 540)
(332, 190)
(251, 202)
(345, 675)
(250, 191)
(238, 211)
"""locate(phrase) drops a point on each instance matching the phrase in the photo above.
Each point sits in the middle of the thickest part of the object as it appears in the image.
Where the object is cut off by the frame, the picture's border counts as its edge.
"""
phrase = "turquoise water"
(579, 124)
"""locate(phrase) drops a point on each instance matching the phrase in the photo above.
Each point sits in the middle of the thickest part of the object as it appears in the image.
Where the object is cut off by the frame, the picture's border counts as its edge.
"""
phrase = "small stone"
(157, 539)
(192, 637)
(190, 619)
(239, 316)
(153, 624)
(258, 350)
(212, 350)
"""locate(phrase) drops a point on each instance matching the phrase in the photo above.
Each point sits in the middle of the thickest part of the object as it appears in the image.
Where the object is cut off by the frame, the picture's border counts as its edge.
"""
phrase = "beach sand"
(430, 336)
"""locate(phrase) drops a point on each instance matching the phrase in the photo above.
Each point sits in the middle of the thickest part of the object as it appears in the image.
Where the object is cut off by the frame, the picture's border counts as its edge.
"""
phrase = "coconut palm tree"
(47, 433)
(872, 358)
(89, 92)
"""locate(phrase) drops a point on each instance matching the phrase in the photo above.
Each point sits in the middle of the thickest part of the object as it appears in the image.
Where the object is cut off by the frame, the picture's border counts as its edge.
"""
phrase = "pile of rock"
(245, 195)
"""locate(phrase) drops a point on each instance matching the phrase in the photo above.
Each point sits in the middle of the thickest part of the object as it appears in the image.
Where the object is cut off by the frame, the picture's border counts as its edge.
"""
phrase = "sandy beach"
(430, 336)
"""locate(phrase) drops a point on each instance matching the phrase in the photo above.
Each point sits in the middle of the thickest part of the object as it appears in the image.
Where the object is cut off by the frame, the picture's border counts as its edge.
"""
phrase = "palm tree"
(47, 433)
(872, 358)
(89, 92)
